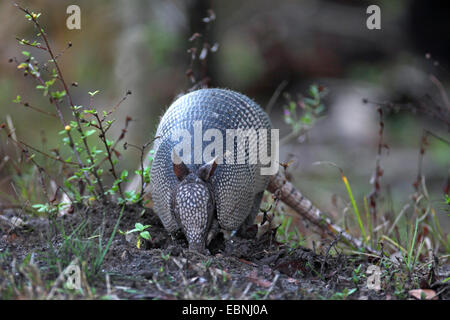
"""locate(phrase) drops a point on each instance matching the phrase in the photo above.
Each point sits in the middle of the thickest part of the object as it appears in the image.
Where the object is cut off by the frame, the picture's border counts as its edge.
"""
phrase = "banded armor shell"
(237, 187)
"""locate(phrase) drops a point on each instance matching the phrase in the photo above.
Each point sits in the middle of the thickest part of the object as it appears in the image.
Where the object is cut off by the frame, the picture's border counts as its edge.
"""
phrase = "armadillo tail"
(286, 192)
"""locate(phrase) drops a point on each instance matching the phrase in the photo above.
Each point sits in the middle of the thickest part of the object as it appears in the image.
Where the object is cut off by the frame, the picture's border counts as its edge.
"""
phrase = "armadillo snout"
(198, 247)
(192, 210)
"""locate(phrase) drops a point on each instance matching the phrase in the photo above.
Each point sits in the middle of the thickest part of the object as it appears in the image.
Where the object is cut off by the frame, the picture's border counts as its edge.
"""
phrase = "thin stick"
(108, 151)
(335, 240)
(275, 96)
(27, 105)
(116, 105)
(142, 150)
(441, 89)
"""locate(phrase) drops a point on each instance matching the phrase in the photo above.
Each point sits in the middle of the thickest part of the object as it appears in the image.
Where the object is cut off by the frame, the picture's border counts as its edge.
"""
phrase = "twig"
(425, 105)
(335, 240)
(69, 45)
(275, 96)
(272, 286)
(201, 53)
(397, 219)
(142, 150)
(373, 196)
(27, 105)
(116, 105)
(25, 42)
(442, 91)
(19, 142)
(109, 153)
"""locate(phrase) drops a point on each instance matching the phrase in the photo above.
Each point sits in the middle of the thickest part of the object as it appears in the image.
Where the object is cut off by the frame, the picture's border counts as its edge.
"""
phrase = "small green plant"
(140, 229)
(301, 115)
(357, 274)
(289, 235)
(51, 209)
(165, 257)
(399, 286)
(207, 263)
(86, 245)
(143, 172)
(343, 294)
(258, 294)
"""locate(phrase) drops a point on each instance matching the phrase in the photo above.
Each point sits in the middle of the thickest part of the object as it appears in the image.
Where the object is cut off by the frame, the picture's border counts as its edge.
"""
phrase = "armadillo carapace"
(197, 187)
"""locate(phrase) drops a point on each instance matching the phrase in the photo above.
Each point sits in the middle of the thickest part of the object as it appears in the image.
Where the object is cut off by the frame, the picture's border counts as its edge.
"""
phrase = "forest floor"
(35, 252)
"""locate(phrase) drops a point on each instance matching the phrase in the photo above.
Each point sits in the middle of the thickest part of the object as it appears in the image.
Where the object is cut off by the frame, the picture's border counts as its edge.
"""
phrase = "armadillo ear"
(207, 170)
(179, 168)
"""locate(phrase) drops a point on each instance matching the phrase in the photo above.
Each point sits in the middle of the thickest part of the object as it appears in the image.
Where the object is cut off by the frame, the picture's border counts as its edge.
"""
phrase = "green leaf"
(89, 132)
(139, 226)
(292, 106)
(17, 100)
(58, 94)
(23, 65)
(145, 235)
(310, 102)
(93, 93)
(26, 53)
(50, 82)
(314, 91)
(27, 259)
(306, 119)
(351, 291)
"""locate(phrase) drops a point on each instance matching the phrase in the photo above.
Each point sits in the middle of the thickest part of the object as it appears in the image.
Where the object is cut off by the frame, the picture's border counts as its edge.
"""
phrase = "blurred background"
(261, 45)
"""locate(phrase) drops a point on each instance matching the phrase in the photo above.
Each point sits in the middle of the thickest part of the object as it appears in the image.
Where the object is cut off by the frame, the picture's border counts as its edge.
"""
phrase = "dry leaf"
(248, 262)
(252, 276)
(423, 294)
(261, 282)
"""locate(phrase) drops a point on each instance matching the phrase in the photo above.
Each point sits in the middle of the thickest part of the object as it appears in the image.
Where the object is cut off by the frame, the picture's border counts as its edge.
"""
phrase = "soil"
(163, 268)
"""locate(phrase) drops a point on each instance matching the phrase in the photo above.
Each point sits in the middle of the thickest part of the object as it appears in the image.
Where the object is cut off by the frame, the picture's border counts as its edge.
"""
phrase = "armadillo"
(203, 196)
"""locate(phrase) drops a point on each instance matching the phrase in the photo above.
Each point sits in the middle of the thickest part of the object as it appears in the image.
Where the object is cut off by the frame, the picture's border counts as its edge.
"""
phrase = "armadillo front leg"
(248, 229)
(213, 231)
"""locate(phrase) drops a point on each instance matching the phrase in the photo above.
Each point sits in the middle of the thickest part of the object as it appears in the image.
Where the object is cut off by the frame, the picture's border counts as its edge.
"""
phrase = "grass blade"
(355, 207)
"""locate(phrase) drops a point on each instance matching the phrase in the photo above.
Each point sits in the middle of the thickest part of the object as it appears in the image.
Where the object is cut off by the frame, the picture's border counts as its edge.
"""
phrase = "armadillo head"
(193, 202)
